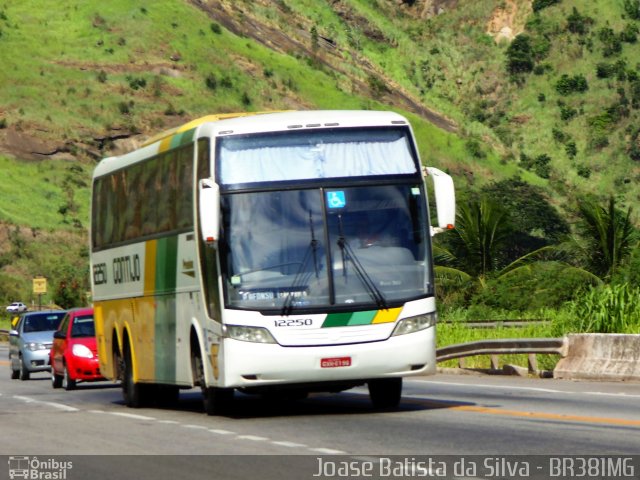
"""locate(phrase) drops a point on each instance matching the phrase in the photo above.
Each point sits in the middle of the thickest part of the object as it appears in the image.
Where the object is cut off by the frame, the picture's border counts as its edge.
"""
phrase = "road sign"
(39, 285)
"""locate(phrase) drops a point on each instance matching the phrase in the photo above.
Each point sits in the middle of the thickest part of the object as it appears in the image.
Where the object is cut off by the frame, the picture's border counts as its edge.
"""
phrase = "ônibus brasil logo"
(35, 469)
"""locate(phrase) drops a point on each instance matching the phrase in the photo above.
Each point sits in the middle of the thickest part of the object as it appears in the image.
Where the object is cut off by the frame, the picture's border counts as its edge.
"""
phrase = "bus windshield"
(364, 246)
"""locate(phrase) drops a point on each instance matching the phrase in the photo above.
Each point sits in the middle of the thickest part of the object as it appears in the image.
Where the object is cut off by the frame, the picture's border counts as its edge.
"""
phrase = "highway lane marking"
(522, 414)
(132, 416)
(59, 406)
(328, 451)
(290, 444)
(221, 432)
(253, 438)
(531, 389)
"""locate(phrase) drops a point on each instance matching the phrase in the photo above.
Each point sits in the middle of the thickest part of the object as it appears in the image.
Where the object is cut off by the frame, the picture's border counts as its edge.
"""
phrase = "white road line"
(221, 432)
(24, 399)
(290, 444)
(60, 406)
(169, 422)
(530, 389)
(195, 427)
(253, 438)
(133, 416)
(328, 451)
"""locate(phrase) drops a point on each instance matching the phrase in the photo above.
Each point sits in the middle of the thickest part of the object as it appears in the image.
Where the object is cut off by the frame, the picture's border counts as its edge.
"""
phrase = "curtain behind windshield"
(307, 155)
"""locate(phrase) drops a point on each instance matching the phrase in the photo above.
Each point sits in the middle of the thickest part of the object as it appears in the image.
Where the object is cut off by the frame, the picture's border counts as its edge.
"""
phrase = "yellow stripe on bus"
(387, 316)
(151, 248)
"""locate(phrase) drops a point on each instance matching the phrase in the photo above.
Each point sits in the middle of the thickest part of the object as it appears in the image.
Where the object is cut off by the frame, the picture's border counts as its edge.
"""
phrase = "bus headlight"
(250, 334)
(415, 324)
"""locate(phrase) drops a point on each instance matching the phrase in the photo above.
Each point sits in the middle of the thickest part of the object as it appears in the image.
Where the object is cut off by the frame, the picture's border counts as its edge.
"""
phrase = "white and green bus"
(283, 252)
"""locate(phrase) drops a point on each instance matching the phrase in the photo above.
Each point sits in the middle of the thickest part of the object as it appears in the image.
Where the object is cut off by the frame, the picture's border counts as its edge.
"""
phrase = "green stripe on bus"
(183, 138)
(166, 264)
(345, 319)
(165, 339)
(362, 318)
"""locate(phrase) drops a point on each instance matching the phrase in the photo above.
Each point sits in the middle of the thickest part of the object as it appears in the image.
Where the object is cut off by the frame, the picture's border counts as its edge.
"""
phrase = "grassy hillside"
(86, 79)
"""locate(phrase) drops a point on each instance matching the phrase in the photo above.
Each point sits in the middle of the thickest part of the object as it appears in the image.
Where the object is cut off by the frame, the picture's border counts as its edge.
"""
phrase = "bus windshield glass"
(315, 154)
(360, 246)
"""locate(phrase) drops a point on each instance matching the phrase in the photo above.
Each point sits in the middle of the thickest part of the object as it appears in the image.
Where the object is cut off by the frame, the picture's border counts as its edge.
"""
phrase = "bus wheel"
(217, 401)
(135, 395)
(385, 393)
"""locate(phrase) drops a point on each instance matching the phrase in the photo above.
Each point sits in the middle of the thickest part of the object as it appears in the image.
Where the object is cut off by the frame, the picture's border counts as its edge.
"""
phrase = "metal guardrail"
(530, 346)
(497, 323)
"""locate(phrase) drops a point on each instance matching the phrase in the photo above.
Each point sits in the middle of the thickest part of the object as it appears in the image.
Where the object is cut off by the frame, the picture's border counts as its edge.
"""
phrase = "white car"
(17, 307)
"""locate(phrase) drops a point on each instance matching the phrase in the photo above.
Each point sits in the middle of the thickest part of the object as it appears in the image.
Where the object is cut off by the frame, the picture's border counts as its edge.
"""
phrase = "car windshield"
(42, 322)
(359, 245)
(83, 327)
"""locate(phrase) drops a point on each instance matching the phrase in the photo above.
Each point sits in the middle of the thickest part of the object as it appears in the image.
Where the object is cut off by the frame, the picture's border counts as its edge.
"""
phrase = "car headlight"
(34, 346)
(415, 324)
(250, 334)
(81, 351)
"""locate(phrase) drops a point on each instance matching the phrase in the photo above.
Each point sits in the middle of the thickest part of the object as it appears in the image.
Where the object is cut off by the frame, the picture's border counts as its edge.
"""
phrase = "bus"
(276, 253)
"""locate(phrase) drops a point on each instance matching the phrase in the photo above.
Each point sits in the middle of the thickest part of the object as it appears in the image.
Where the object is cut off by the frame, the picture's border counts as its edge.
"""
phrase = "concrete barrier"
(600, 356)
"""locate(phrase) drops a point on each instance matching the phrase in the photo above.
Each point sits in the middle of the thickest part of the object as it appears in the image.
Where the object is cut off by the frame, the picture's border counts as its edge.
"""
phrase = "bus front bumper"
(249, 364)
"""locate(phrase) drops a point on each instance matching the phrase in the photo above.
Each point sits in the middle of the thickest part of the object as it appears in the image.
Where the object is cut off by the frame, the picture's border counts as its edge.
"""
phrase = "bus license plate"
(335, 362)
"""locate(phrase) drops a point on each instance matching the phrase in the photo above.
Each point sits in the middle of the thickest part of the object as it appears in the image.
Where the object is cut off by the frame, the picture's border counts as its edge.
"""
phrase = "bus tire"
(135, 395)
(217, 401)
(385, 393)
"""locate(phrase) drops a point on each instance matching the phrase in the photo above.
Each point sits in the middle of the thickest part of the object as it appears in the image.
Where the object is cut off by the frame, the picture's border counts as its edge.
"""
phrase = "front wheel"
(215, 400)
(24, 373)
(385, 393)
(67, 382)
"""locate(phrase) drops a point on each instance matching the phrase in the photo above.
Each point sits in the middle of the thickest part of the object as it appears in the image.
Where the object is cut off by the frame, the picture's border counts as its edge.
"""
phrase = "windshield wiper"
(349, 254)
(300, 279)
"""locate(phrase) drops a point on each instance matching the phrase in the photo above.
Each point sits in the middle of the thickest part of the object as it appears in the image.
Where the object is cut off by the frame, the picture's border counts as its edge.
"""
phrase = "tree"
(608, 236)
(481, 233)
(520, 58)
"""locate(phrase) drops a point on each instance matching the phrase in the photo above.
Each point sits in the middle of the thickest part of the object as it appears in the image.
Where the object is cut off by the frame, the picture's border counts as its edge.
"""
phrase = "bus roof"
(250, 122)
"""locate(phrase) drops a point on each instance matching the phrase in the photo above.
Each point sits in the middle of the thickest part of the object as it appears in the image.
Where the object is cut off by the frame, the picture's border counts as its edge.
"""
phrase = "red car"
(74, 354)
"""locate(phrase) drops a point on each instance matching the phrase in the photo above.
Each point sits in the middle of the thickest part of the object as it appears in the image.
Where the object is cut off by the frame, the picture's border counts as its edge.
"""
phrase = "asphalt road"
(441, 415)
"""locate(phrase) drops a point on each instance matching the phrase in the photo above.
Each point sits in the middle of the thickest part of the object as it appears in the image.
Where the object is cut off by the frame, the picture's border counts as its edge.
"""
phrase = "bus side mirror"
(209, 210)
(445, 196)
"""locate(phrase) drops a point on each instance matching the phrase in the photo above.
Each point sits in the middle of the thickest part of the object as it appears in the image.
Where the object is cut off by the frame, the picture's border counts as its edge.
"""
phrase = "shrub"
(611, 43)
(211, 82)
(567, 85)
(541, 4)
(577, 23)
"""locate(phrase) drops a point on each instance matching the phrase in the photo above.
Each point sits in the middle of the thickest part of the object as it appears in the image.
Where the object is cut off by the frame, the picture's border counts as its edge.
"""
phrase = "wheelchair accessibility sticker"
(336, 199)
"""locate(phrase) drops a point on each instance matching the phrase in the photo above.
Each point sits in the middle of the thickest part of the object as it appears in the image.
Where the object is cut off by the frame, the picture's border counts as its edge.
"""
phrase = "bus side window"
(135, 198)
(148, 208)
(184, 211)
(110, 210)
(166, 190)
